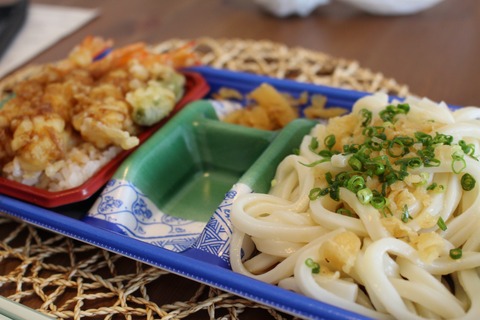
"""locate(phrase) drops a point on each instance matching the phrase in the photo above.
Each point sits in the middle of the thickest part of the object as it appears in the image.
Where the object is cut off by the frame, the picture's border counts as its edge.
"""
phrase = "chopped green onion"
(387, 210)
(374, 131)
(458, 163)
(378, 201)
(355, 183)
(441, 224)
(405, 140)
(326, 153)
(432, 186)
(403, 108)
(468, 149)
(355, 163)
(456, 253)
(335, 193)
(379, 168)
(441, 138)
(415, 162)
(426, 154)
(375, 144)
(313, 164)
(364, 195)
(384, 189)
(428, 157)
(468, 182)
(344, 212)
(372, 159)
(329, 141)
(423, 138)
(368, 131)
(329, 178)
(342, 177)
(367, 117)
(431, 162)
(313, 144)
(316, 193)
(424, 176)
(396, 149)
(405, 214)
(351, 148)
(389, 113)
(312, 265)
(411, 162)
(390, 178)
(374, 167)
(437, 188)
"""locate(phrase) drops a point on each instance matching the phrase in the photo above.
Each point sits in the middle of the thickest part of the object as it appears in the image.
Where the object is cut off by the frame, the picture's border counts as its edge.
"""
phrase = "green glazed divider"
(187, 166)
(260, 174)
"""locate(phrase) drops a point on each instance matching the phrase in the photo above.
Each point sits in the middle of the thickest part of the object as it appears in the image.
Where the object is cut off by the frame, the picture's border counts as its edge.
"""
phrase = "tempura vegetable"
(155, 101)
(269, 109)
(98, 99)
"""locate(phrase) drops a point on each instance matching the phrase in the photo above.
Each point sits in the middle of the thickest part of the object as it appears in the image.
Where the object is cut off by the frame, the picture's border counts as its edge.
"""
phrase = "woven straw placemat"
(68, 279)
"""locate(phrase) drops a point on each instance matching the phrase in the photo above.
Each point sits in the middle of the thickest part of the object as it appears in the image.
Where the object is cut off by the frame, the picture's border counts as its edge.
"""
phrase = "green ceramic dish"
(188, 166)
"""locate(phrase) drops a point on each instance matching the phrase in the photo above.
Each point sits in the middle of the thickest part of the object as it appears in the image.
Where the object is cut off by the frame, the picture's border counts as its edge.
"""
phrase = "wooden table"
(436, 52)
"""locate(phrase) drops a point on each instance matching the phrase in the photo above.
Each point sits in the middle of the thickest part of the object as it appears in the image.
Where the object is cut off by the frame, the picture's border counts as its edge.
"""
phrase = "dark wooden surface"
(436, 52)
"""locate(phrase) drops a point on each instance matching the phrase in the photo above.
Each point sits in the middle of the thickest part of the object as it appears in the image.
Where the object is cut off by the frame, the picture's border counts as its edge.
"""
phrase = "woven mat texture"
(67, 279)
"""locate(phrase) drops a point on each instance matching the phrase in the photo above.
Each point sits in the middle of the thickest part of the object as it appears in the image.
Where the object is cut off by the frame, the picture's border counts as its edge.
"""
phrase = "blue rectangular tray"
(68, 220)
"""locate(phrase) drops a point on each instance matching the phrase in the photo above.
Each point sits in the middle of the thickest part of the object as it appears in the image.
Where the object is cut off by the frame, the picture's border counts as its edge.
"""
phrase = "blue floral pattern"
(126, 208)
(215, 238)
(140, 209)
(109, 203)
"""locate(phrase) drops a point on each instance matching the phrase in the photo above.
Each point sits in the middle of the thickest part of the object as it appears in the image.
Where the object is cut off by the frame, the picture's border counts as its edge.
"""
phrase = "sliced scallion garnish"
(456, 253)
(468, 182)
(312, 265)
(441, 224)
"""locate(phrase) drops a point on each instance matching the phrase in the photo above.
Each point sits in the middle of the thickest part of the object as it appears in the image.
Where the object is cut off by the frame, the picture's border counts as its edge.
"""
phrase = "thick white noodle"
(244, 219)
(470, 279)
(331, 220)
(339, 293)
(372, 262)
(466, 114)
(369, 215)
(283, 270)
(463, 225)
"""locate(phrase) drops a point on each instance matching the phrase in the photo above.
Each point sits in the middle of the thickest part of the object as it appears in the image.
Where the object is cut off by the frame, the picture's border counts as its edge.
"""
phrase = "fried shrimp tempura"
(103, 118)
(49, 140)
(84, 99)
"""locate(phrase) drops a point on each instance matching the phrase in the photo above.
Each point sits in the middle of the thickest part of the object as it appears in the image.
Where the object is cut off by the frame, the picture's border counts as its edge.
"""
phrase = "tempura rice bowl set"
(167, 203)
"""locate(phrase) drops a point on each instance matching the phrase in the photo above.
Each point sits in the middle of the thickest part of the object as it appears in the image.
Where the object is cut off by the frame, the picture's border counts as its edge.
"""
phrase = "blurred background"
(434, 51)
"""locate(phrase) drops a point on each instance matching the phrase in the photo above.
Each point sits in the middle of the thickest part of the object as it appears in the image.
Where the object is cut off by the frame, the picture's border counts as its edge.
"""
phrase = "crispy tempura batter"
(270, 109)
(80, 99)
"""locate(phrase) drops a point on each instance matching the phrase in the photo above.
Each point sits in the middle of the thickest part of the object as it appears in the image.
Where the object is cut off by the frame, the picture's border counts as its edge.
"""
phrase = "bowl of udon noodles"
(377, 213)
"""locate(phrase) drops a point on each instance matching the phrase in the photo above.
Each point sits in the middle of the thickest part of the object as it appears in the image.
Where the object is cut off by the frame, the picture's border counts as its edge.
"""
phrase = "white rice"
(80, 164)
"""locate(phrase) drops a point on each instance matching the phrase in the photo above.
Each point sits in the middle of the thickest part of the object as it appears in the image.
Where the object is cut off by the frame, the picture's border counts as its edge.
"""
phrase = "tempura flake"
(84, 110)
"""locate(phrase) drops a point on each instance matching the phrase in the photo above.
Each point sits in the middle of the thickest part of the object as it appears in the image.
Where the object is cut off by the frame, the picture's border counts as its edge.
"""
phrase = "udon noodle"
(377, 213)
